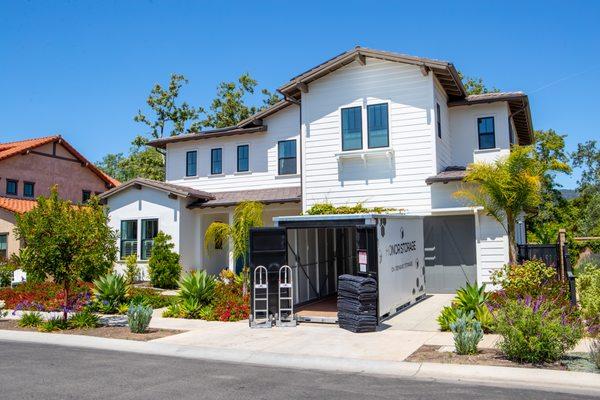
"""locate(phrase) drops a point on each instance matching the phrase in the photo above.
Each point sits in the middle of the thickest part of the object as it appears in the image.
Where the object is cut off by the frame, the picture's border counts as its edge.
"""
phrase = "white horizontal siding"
(263, 157)
(376, 182)
(492, 247)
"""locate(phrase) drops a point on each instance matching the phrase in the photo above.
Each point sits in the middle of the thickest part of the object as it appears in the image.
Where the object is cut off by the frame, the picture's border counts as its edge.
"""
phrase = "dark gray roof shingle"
(266, 196)
(448, 175)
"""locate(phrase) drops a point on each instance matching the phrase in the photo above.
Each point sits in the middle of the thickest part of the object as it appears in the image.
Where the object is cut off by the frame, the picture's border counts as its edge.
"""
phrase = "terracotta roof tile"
(17, 205)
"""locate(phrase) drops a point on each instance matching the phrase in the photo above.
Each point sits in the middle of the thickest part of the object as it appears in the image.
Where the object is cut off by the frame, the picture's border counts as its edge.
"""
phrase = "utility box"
(320, 248)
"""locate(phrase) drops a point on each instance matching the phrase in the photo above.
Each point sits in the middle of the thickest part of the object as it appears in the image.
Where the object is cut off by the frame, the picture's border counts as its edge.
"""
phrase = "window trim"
(362, 130)
(238, 157)
(142, 240)
(438, 119)
(287, 158)
(121, 240)
(25, 184)
(5, 234)
(493, 133)
(16, 182)
(388, 125)
(187, 164)
(212, 161)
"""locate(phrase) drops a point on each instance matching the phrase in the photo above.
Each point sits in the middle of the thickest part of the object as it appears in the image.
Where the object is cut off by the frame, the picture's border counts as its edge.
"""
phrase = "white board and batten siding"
(443, 147)
(394, 182)
(492, 247)
(263, 157)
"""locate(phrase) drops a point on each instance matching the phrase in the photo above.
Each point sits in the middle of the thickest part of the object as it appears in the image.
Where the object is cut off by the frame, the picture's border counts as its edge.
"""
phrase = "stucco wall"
(70, 176)
(7, 224)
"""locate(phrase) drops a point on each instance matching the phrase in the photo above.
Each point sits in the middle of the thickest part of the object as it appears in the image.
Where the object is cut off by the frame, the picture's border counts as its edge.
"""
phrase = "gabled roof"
(444, 71)
(15, 205)
(518, 103)
(178, 190)
(10, 149)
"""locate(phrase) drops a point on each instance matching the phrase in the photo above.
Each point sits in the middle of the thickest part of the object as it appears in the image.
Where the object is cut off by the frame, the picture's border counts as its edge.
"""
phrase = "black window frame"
(121, 239)
(438, 119)
(4, 252)
(285, 158)
(189, 164)
(16, 183)
(213, 171)
(387, 125)
(29, 184)
(84, 194)
(359, 108)
(145, 254)
(492, 133)
(239, 147)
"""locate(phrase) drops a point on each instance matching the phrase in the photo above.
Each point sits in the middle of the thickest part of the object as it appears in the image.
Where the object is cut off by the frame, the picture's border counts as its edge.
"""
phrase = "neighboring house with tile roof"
(29, 168)
(380, 128)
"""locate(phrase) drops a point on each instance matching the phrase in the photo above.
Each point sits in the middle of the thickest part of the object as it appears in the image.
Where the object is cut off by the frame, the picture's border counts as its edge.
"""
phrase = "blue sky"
(83, 68)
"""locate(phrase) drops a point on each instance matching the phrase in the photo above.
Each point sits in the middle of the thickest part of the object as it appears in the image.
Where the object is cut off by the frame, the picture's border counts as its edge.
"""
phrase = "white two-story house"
(380, 128)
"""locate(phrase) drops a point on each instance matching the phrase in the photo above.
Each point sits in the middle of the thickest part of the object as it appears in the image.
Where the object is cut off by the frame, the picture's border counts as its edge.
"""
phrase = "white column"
(231, 260)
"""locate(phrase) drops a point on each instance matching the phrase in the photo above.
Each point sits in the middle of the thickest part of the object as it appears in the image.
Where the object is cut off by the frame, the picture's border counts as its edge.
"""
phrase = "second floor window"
(191, 158)
(352, 128)
(128, 238)
(149, 232)
(243, 158)
(377, 127)
(438, 120)
(29, 189)
(286, 157)
(11, 187)
(485, 130)
(216, 161)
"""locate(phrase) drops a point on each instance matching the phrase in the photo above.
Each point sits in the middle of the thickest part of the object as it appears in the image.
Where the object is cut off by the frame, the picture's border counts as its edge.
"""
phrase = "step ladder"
(260, 299)
(285, 313)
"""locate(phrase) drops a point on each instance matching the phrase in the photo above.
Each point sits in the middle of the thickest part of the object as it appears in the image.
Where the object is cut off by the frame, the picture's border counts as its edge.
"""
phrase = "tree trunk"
(512, 244)
(66, 301)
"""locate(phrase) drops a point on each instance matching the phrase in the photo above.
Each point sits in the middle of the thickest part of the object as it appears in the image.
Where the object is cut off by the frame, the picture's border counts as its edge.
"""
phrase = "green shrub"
(163, 265)
(531, 278)
(139, 317)
(471, 298)
(586, 264)
(83, 320)
(467, 333)
(190, 308)
(53, 324)
(588, 288)
(110, 291)
(6, 273)
(132, 270)
(197, 285)
(30, 319)
(172, 311)
(446, 317)
(150, 297)
(536, 331)
(595, 352)
(207, 313)
(327, 208)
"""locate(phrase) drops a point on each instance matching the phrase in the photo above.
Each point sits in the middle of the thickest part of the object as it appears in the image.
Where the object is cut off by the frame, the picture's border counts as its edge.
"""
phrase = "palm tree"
(247, 214)
(505, 189)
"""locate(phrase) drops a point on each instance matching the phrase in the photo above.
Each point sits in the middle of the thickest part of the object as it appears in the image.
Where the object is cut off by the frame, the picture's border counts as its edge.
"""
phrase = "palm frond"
(217, 232)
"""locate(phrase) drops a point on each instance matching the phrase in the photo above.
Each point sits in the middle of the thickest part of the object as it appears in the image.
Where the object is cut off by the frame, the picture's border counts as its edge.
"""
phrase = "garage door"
(450, 254)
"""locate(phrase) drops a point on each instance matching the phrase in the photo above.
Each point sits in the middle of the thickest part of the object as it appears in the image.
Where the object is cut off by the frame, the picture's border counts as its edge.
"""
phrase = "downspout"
(300, 147)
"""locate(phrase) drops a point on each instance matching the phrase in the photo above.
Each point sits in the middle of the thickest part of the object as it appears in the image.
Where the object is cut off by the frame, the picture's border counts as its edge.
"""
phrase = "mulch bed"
(429, 353)
(112, 332)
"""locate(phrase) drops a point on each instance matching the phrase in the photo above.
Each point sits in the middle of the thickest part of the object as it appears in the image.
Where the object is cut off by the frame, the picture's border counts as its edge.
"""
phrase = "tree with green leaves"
(66, 242)
(248, 214)
(505, 189)
(587, 157)
(163, 266)
(475, 85)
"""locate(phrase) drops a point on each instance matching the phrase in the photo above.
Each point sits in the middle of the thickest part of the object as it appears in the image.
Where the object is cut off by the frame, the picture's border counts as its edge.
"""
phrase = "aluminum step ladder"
(285, 310)
(260, 299)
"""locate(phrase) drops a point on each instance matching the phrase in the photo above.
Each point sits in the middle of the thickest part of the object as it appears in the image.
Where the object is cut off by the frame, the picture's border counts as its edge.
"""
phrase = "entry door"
(450, 252)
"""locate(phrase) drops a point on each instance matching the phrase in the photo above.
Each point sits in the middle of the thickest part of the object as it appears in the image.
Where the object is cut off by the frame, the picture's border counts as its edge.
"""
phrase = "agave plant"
(471, 297)
(110, 290)
(197, 285)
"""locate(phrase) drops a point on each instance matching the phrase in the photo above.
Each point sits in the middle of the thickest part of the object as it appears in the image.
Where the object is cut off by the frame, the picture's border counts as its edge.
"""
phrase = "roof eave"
(162, 143)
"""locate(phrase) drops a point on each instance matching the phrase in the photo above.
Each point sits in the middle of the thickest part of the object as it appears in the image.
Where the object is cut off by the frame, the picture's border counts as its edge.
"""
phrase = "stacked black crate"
(357, 303)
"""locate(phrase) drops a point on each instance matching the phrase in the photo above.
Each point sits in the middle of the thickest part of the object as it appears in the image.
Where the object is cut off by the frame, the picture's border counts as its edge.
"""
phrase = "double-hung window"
(128, 238)
(286, 157)
(3, 246)
(29, 189)
(438, 120)
(216, 161)
(352, 128)
(11, 187)
(149, 232)
(243, 157)
(191, 162)
(377, 127)
(485, 130)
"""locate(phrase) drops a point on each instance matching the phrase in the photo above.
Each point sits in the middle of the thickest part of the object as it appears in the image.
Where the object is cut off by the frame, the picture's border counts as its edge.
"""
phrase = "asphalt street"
(36, 371)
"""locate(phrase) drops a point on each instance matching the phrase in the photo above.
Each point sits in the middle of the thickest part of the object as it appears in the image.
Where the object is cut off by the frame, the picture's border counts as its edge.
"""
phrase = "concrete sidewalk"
(549, 380)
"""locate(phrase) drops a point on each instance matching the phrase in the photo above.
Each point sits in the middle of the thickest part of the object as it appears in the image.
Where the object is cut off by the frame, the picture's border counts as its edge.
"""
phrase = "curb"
(529, 378)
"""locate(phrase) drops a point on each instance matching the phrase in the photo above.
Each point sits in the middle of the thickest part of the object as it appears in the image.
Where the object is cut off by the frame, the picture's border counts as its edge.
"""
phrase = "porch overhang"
(264, 196)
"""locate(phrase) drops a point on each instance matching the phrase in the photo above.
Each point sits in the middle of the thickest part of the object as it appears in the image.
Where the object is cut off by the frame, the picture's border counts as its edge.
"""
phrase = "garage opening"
(321, 248)
(450, 252)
